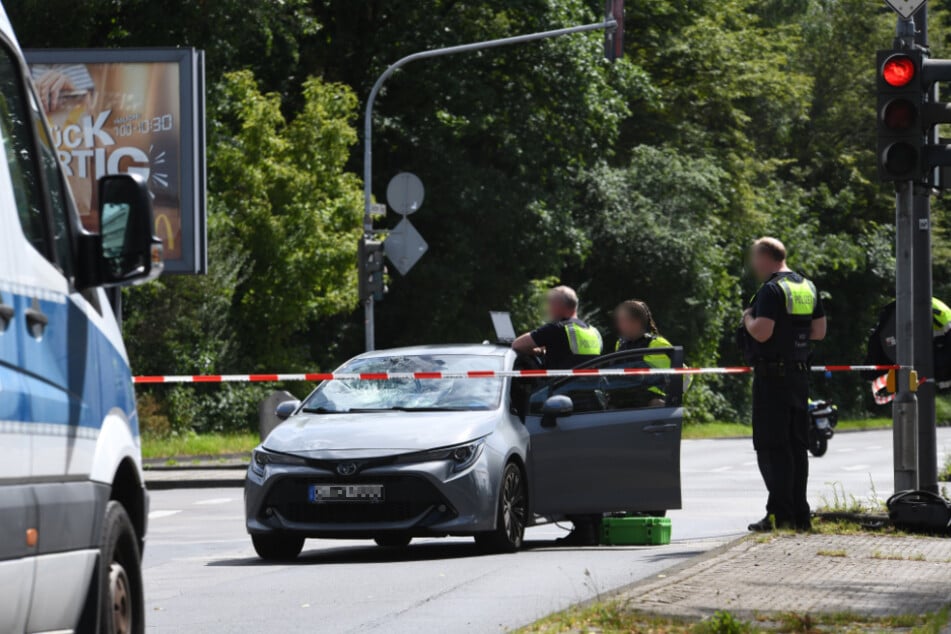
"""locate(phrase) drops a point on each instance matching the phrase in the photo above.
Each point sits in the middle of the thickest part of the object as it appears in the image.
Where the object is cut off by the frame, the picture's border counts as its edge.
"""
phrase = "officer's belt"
(778, 367)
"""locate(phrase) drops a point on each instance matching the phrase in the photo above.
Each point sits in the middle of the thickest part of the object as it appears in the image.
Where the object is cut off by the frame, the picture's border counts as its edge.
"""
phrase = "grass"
(742, 430)
(832, 553)
(944, 473)
(613, 617)
(186, 445)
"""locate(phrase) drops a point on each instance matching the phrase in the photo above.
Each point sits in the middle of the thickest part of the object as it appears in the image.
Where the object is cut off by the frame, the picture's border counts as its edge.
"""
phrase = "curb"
(198, 467)
(193, 483)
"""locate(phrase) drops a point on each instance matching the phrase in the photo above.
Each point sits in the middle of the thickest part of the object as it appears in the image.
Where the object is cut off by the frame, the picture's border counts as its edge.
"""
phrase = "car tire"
(121, 603)
(512, 514)
(277, 546)
(393, 541)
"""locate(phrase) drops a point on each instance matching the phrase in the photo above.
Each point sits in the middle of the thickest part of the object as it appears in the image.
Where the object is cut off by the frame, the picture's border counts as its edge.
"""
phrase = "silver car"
(394, 459)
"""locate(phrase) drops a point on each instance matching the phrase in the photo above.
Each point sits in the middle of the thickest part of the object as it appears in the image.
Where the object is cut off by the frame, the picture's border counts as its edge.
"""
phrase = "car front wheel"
(277, 546)
(512, 517)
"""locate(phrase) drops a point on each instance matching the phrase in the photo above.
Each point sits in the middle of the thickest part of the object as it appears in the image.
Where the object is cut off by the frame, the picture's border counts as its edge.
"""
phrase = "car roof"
(474, 349)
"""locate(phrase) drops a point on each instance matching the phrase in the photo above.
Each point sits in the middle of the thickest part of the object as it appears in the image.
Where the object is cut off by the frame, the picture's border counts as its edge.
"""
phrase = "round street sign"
(405, 193)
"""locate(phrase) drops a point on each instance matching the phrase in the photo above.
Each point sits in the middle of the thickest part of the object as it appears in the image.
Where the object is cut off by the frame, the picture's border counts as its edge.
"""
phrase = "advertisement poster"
(142, 117)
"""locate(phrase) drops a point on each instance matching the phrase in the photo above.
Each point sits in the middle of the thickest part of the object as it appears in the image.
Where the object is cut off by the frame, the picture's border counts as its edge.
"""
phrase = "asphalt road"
(201, 573)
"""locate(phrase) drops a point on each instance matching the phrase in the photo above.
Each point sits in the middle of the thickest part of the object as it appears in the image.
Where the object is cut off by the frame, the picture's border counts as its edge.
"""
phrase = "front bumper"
(423, 499)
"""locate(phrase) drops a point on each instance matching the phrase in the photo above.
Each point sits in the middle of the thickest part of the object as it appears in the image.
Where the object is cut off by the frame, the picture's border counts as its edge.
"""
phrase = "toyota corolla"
(399, 458)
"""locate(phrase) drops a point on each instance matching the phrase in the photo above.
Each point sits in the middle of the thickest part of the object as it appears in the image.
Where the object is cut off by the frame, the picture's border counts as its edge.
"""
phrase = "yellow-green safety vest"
(941, 317)
(583, 340)
(801, 297)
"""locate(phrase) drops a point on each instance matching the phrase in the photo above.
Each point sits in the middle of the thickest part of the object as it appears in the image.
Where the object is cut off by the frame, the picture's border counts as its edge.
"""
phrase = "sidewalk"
(868, 574)
(198, 475)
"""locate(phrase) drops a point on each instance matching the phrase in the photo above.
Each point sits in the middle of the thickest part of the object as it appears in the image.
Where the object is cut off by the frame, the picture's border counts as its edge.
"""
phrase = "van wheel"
(512, 514)
(277, 546)
(121, 606)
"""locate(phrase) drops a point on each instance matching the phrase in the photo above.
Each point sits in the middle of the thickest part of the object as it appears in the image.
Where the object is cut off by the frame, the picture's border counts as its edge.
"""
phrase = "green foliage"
(647, 178)
(289, 202)
(723, 622)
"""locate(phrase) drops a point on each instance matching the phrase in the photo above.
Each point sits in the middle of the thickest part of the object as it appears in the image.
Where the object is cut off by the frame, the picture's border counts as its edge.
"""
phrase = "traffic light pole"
(609, 24)
(905, 405)
(922, 293)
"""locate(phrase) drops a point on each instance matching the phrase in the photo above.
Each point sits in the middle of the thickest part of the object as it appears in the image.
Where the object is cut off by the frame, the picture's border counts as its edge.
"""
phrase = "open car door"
(618, 449)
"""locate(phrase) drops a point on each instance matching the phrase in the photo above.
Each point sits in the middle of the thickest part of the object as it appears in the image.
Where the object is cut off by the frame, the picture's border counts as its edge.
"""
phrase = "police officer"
(566, 340)
(783, 317)
(636, 331)
(636, 328)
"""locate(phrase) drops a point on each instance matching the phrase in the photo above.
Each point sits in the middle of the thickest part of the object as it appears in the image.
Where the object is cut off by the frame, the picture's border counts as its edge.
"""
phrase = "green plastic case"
(635, 531)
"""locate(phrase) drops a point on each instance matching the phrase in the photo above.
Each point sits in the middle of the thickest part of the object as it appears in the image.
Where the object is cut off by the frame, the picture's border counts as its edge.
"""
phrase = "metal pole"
(922, 293)
(905, 407)
(608, 23)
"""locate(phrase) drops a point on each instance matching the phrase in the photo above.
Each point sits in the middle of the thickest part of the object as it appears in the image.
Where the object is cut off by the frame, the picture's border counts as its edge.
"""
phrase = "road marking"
(751, 463)
(721, 469)
(154, 515)
(845, 450)
(855, 467)
(213, 501)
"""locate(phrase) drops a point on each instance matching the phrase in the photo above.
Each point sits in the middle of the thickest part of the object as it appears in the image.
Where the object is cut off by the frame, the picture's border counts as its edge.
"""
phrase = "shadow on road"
(372, 554)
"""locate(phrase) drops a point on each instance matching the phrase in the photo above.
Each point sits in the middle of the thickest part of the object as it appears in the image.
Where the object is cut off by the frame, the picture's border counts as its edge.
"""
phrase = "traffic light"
(371, 269)
(614, 38)
(901, 131)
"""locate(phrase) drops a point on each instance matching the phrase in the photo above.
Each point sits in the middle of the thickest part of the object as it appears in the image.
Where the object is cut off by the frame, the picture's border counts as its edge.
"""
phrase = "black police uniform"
(781, 394)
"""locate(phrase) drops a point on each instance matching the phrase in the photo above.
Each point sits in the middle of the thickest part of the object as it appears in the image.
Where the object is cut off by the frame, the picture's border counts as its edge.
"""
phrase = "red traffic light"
(898, 70)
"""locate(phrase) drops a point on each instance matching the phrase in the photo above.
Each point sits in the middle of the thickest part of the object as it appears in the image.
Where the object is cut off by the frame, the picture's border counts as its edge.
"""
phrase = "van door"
(17, 505)
(619, 450)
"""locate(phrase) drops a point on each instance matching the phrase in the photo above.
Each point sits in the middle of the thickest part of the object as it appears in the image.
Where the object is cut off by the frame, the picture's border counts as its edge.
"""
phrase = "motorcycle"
(823, 417)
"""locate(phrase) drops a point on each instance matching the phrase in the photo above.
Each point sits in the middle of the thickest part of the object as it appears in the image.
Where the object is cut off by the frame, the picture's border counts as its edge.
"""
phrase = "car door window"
(606, 393)
(15, 124)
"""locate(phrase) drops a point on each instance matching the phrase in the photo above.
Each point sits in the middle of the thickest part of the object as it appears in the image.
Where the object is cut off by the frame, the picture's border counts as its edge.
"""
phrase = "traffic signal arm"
(933, 70)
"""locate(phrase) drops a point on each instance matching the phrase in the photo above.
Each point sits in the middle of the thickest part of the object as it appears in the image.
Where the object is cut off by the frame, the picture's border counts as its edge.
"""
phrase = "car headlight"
(461, 456)
(261, 458)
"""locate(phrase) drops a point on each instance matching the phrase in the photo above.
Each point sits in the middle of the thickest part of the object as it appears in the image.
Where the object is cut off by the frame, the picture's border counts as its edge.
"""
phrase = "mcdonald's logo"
(168, 239)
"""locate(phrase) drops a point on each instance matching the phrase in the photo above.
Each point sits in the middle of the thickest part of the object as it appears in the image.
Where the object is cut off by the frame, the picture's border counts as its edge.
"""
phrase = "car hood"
(362, 435)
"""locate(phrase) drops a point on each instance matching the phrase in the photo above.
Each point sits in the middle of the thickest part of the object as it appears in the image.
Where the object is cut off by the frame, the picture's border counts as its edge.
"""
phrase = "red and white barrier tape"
(474, 374)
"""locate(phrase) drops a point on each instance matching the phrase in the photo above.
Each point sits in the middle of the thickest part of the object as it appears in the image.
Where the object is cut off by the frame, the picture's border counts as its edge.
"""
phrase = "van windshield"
(459, 394)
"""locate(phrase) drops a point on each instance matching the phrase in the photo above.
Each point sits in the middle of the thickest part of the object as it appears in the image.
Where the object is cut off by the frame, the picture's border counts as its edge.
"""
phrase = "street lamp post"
(609, 24)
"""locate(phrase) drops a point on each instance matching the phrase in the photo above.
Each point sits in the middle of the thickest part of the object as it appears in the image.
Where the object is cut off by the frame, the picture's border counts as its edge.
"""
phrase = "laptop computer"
(504, 330)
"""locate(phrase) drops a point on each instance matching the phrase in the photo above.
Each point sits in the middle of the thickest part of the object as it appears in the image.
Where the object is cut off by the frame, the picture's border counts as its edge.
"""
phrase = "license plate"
(324, 493)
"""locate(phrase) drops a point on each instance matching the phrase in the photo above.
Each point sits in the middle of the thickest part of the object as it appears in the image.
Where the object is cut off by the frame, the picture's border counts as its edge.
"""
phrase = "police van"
(73, 507)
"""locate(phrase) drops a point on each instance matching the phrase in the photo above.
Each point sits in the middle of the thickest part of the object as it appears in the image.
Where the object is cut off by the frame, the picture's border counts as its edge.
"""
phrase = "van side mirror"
(555, 407)
(285, 409)
(125, 251)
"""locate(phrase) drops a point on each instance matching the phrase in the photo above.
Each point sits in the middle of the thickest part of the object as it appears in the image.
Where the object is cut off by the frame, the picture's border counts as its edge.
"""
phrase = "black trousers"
(780, 438)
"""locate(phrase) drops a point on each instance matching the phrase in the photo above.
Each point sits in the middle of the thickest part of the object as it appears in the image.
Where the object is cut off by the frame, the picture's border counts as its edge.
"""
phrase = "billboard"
(133, 110)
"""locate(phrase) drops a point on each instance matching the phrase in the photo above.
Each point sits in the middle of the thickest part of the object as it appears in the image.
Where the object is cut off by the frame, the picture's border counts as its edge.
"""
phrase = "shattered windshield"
(411, 394)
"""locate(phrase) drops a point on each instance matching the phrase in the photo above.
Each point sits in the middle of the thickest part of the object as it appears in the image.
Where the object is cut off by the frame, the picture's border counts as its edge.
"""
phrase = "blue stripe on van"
(72, 375)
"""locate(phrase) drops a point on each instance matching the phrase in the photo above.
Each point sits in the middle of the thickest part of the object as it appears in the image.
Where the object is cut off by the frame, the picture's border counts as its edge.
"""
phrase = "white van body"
(68, 425)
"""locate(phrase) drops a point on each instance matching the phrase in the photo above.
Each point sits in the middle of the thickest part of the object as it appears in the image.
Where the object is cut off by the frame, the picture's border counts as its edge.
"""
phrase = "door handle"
(654, 429)
(6, 316)
(36, 321)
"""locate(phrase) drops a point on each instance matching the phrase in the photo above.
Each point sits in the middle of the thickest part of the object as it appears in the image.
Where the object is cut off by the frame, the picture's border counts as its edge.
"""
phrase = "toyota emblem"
(347, 468)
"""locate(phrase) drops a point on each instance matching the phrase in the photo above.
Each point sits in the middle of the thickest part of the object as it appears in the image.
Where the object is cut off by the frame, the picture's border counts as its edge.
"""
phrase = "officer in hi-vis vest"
(565, 340)
(637, 330)
(783, 318)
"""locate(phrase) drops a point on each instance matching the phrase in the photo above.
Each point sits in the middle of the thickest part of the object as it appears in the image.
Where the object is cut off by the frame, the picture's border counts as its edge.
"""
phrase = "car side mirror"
(285, 409)
(126, 251)
(555, 407)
